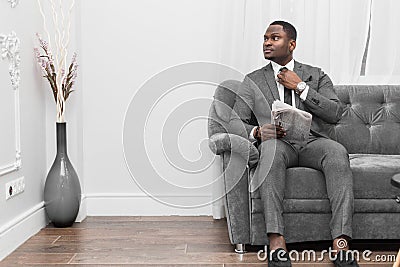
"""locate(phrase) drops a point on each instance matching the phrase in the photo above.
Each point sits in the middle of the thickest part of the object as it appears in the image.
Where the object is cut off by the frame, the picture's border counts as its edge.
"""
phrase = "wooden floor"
(152, 241)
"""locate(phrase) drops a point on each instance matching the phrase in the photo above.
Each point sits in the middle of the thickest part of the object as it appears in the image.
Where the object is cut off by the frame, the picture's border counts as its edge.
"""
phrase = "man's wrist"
(301, 86)
(304, 94)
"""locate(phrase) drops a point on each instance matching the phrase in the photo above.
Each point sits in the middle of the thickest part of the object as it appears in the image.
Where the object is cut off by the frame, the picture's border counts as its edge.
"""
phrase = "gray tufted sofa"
(369, 129)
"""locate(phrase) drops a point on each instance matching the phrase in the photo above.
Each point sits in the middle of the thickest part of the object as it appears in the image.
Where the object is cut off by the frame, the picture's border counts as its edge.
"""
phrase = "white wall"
(23, 215)
(124, 44)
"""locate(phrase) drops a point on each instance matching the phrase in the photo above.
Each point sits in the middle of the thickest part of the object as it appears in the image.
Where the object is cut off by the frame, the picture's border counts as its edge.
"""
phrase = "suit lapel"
(270, 78)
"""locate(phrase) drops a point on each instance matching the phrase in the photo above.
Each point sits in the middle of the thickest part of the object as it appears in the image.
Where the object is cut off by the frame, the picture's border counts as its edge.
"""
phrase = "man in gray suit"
(309, 89)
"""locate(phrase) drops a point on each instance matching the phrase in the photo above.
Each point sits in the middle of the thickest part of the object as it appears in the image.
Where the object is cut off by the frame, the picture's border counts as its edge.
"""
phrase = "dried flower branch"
(54, 67)
(46, 63)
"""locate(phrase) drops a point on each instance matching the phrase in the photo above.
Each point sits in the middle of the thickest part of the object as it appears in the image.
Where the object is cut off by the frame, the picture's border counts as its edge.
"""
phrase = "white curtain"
(383, 60)
(332, 34)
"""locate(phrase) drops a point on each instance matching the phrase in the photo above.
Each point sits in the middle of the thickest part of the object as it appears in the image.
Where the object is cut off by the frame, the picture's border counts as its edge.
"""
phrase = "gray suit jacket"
(258, 91)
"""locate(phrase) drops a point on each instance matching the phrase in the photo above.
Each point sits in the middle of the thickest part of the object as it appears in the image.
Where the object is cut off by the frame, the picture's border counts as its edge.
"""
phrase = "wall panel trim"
(9, 49)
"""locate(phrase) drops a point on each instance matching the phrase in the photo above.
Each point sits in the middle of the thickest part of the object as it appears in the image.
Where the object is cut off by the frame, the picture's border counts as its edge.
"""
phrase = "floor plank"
(17, 259)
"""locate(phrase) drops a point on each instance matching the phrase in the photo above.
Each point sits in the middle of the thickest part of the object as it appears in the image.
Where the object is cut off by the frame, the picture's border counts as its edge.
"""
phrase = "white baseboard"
(142, 205)
(20, 229)
(82, 210)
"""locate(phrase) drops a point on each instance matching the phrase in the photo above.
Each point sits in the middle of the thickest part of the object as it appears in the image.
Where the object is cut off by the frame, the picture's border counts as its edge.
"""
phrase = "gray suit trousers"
(319, 153)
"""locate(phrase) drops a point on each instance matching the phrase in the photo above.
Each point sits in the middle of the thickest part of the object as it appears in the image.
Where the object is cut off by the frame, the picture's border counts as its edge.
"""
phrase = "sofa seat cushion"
(371, 174)
(323, 206)
(302, 183)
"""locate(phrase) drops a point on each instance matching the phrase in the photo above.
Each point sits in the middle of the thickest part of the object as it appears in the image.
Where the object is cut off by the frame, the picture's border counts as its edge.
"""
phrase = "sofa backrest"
(370, 123)
(221, 108)
(371, 120)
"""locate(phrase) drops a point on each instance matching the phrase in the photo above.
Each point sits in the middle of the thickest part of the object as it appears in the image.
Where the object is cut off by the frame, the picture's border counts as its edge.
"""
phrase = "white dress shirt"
(281, 89)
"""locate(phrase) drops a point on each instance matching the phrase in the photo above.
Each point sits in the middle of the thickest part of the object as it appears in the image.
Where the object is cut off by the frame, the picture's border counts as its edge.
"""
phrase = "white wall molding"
(140, 204)
(13, 3)
(24, 131)
(21, 228)
(9, 48)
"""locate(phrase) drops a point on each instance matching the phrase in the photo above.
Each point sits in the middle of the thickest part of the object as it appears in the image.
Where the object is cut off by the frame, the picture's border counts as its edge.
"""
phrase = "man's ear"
(292, 45)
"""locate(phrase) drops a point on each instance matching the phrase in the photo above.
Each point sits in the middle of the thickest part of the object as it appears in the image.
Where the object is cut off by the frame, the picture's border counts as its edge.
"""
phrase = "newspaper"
(296, 122)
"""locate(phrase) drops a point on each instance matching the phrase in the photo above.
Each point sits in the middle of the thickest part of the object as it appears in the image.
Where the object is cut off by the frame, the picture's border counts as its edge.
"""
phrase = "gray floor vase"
(62, 192)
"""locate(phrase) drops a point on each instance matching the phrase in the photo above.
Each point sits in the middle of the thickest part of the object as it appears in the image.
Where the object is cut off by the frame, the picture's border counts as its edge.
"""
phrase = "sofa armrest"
(236, 198)
(238, 155)
(224, 142)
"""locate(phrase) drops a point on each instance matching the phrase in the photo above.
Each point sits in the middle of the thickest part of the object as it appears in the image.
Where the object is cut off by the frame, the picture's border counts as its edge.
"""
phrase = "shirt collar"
(276, 67)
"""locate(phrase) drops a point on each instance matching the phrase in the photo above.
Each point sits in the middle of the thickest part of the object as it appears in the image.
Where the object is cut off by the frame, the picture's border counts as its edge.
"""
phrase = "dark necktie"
(288, 96)
(287, 92)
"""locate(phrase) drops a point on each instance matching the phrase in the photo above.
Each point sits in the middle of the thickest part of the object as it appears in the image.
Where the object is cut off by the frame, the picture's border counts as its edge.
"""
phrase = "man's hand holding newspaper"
(295, 122)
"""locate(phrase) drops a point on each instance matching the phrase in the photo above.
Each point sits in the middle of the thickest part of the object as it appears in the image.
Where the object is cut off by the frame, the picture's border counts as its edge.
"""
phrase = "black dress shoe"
(279, 258)
(344, 259)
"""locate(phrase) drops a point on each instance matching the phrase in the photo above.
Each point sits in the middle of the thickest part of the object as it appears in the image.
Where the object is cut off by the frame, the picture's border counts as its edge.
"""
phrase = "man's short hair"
(287, 27)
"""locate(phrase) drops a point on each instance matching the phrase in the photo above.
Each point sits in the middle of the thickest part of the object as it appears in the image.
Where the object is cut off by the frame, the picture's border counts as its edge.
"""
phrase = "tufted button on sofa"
(370, 131)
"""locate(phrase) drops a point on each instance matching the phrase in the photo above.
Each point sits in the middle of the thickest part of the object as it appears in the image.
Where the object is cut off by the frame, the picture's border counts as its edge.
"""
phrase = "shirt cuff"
(303, 95)
(251, 135)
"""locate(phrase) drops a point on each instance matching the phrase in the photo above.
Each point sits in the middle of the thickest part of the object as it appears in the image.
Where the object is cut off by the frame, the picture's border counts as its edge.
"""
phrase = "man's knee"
(273, 145)
(275, 149)
(337, 151)
(267, 146)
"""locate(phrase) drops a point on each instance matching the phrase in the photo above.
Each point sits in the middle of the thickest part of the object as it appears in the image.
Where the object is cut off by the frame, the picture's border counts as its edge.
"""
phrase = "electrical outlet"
(15, 187)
